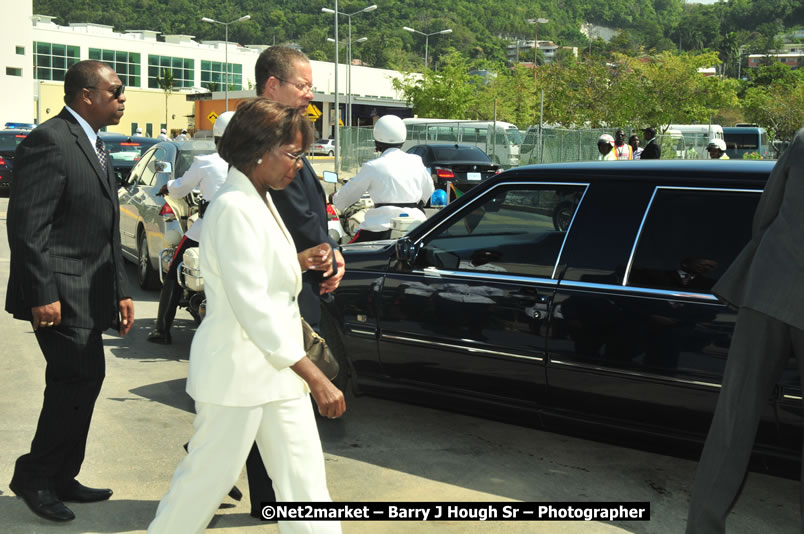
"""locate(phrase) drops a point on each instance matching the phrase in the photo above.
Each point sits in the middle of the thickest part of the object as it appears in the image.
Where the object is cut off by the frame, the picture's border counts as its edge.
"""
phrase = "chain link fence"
(548, 145)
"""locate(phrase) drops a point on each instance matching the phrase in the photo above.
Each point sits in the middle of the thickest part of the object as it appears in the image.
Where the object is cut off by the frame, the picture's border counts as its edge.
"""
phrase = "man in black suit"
(766, 284)
(67, 279)
(652, 149)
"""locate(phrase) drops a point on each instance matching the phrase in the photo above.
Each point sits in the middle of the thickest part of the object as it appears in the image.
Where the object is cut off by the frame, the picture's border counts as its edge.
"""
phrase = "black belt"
(407, 205)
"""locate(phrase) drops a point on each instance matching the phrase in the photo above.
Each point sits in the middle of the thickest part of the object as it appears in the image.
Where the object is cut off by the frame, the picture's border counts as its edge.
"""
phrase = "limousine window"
(690, 236)
(514, 229)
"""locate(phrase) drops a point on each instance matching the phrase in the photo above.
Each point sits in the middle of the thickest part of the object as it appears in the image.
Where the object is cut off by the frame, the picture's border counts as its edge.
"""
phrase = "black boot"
(168, 301)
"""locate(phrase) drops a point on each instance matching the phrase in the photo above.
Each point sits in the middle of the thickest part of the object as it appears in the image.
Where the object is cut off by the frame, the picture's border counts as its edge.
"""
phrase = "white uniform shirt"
(208, 173)
(395, 177)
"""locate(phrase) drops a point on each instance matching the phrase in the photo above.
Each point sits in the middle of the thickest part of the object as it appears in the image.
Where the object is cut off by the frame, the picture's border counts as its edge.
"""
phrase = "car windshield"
(188, 151)
(125, 150)
(322, 142)
(10, 140)
(514, 136)
(468, 153)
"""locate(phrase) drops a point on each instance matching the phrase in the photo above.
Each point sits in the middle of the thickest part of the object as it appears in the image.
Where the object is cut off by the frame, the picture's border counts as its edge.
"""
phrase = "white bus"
(696, 137)
(501, 141)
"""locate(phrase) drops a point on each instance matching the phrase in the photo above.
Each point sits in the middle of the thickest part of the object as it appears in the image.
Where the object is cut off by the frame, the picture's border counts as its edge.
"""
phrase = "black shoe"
(44, 503)
(163, 338)
(77, 492)
(235, 493)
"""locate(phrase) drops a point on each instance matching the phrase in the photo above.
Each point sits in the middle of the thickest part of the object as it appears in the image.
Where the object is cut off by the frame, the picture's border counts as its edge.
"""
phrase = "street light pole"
(349, 54)
(426, 39)
(226, 52)
(536, 22)
(349, 74)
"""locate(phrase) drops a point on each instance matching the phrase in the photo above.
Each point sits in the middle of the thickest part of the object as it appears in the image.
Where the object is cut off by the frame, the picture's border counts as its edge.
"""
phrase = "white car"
(323, 146)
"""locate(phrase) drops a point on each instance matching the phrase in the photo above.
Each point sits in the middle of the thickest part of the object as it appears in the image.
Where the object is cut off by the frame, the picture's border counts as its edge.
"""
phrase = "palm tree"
(165, 83)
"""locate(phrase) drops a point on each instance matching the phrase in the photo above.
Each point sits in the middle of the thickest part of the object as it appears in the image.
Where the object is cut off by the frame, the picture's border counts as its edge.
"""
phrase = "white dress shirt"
(208, 173)
(395, 177)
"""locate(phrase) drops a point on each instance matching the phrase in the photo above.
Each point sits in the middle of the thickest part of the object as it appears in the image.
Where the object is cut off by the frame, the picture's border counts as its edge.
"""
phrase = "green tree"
(165, 82)
(449, 93)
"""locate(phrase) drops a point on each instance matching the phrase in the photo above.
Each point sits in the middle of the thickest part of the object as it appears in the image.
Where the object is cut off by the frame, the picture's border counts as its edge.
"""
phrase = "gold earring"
(259, 161)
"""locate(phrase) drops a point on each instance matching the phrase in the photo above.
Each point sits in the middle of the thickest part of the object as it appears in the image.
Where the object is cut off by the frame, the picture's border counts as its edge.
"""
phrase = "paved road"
(380, 451)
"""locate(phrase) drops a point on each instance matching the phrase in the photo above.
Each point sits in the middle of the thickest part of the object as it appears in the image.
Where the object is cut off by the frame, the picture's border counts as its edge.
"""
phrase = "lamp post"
(536, 23)
(426, 39)
(348, 53)
(226, 25)
(349, 79)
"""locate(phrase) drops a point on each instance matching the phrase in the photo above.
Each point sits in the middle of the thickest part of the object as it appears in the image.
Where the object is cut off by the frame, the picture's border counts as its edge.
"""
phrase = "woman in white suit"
(249, 375)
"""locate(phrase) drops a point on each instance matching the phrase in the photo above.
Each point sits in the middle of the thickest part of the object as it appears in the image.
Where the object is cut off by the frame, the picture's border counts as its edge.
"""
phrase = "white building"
(38, 53)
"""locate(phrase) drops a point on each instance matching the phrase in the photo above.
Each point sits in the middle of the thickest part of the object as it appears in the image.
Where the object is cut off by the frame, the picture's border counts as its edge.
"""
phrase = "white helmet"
(390, 130)
(717, 143)
(220, 123)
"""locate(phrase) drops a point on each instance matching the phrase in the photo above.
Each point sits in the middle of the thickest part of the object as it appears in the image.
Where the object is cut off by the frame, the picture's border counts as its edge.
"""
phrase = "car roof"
(113, 136)
(456, 146)
(709, 172)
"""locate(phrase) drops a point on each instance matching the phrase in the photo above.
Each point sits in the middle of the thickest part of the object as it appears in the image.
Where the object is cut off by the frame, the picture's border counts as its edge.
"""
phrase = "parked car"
(494, 307)
(9, 139)
(144, 214)
(463, 166)
(323, 146)
(126, 151)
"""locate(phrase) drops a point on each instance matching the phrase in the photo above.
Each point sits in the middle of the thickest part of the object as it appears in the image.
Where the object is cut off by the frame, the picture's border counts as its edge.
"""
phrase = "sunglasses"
(116, 91)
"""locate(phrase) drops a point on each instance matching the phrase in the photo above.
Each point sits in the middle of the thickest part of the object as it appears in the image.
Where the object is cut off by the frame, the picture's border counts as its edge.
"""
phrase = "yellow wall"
(143, 106)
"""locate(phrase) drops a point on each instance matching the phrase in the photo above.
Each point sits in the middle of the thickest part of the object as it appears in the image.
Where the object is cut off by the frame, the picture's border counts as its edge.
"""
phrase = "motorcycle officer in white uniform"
(208, 173)
(398, 183)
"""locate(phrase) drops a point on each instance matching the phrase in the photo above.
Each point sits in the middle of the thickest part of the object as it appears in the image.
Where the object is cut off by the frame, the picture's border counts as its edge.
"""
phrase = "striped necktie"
(100, 150)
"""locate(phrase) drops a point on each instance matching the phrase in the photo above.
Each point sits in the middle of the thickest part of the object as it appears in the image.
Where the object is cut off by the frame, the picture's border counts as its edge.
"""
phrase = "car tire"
(147, 276)
(331, 153)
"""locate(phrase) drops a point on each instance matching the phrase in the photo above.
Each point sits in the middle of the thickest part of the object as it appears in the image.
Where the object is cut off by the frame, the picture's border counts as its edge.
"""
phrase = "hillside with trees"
(480, 27)
(646, 75)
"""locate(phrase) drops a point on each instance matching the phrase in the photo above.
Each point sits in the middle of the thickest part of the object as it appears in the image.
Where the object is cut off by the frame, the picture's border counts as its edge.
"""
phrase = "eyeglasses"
(303, 87)
(295, 157)
(116, 91)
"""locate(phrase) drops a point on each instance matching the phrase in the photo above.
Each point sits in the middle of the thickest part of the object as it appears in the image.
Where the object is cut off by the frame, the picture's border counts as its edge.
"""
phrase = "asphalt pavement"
(379, 451)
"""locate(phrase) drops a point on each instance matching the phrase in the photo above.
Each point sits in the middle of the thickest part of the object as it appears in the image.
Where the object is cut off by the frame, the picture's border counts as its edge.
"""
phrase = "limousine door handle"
(538, 310)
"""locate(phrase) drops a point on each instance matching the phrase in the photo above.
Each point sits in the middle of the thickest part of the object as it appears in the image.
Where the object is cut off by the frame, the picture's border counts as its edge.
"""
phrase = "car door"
(129, 208)
(469, 316)
(638, 339)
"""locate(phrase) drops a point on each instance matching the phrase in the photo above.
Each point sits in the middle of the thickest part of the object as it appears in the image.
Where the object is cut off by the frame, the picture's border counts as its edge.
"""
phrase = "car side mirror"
(330, 177)
(163, 166)
(406, 252)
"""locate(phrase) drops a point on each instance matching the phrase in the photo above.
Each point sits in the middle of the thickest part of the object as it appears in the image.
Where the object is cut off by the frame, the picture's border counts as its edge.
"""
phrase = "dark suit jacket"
(651, 151)
(303, 208)
(768, 275)
(63, 228)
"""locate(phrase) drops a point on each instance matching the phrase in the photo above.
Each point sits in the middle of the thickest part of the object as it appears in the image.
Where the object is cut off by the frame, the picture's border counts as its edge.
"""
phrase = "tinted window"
(690, 237)
(10, 140)
(511, 230)
(125, 150)
(459, 154)
(187, 154)
(742, 140)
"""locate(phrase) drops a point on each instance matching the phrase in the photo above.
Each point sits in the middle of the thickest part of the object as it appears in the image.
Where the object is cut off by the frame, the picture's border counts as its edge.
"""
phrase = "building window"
(13, 71)
(125, 64)
(213, 75)
(21, 50)
(51, 61)
(181, 68)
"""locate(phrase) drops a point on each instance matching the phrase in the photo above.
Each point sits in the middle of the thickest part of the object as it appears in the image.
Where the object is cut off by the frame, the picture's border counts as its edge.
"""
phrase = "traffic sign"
(313, 113)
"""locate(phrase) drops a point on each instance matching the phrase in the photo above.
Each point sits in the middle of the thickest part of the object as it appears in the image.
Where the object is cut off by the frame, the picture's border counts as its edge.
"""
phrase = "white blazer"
(241, 353)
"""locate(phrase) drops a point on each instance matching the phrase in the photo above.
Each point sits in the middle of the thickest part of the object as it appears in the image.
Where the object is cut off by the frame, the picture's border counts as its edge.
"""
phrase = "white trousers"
(287, 437)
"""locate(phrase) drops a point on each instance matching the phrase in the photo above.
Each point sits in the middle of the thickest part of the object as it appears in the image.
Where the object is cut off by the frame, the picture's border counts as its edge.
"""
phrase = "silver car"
(147, 220)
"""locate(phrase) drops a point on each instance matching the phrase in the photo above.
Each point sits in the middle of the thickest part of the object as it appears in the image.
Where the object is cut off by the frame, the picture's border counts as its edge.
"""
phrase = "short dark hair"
(276, 61)
(258, 126)
(650, 132)
(83, 74)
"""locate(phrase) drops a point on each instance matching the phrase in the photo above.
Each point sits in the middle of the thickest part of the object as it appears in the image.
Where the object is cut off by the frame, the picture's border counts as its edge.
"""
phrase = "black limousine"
(567, 293)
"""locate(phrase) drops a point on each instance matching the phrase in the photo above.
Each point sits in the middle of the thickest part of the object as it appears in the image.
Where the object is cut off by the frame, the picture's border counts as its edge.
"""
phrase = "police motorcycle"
(189, 209)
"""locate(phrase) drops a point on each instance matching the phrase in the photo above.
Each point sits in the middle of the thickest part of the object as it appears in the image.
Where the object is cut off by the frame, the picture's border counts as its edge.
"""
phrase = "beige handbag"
(318, 351)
